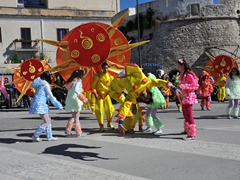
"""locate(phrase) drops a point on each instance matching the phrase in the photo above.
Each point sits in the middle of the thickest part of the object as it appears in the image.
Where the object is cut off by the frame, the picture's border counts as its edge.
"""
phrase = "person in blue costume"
(39, 105)
(151, 112)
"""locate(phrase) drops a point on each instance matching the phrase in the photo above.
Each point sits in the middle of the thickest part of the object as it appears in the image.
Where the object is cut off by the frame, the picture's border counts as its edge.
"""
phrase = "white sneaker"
(189, 138)
(230, 117)
(52, 138)
(159, 131)
(148, 129)
(36, 139)
(82, 135)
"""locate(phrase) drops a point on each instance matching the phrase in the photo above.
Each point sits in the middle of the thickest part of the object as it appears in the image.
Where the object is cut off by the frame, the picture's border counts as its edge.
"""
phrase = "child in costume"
(166, 92)
(176, 83)
(221, 93)
(188, 85)
(135, 82)
(91, 102)
(74, 102)
(130, 122)
(39, 105)
(233, 93)
(205, 90)
(151, 113)
(103, 102)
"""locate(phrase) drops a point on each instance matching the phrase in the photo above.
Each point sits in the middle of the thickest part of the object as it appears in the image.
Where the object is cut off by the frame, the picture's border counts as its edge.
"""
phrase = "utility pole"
(138, 25)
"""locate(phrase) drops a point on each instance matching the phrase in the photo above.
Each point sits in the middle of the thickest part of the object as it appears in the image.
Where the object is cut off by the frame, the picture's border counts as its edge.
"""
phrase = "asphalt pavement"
(213, 155)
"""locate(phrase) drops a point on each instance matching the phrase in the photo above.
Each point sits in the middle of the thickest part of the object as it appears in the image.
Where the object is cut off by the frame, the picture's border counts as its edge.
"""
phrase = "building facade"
(23, 21)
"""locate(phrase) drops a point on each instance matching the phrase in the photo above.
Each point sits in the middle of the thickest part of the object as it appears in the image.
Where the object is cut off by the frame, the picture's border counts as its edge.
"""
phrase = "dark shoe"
(202, 108)
(208, 109)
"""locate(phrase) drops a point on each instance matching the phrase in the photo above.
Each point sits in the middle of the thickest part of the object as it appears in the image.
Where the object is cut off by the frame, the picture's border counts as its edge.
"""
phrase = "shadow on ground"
(65, 150)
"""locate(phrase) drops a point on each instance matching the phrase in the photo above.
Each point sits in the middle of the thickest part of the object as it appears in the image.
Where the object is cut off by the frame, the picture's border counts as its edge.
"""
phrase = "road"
(213, 155)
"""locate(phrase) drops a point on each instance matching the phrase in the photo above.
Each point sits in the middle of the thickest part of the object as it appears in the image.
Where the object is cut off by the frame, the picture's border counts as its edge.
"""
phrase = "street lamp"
(138, 25)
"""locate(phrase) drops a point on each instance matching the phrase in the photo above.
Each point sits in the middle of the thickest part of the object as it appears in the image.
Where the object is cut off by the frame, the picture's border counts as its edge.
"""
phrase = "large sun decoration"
(88, 45)
(26, 72)
(220, 64)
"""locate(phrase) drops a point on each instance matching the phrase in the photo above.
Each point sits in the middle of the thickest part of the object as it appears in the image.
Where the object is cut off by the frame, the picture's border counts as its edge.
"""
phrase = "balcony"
(25, 45)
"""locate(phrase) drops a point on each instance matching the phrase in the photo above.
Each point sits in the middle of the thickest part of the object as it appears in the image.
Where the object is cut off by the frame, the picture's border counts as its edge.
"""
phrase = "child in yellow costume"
(166, 92)
(100, 88)
(130, 122)
(221, 93)
(91, 102)
(135, 82)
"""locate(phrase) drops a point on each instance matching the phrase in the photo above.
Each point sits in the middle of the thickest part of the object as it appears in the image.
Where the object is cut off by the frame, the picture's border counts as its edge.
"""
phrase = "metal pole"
(138, 25)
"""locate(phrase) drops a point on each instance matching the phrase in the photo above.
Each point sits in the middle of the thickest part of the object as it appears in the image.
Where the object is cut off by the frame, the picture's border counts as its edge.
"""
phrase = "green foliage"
(130, 26)
(123, 30)
(24, 57)
(7, 61)
(145, 22)
(15, 58)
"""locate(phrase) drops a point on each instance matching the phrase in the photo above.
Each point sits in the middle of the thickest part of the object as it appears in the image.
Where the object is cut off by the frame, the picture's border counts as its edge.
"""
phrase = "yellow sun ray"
(63, 45)
(26, 86)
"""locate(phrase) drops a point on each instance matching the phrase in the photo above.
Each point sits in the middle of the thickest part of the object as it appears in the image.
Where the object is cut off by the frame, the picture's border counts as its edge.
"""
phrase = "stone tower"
(187, 29)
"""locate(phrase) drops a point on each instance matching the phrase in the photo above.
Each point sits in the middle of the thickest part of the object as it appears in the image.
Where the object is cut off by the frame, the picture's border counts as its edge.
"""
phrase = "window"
(20, 1)
(61, 33)
(26, 38)
(0, 34)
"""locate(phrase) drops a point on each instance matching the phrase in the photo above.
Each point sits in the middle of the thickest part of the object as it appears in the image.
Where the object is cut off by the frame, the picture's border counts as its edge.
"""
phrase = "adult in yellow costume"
(133, 81)
(100, 89)
(221, 93)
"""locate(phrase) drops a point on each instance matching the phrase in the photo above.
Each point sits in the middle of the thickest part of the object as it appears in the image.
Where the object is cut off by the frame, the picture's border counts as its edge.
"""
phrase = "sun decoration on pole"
(26, 72)
(220, 64)
(88, 45)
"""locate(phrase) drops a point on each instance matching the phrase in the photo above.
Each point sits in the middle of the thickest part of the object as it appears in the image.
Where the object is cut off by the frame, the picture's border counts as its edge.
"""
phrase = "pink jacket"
(188, 86)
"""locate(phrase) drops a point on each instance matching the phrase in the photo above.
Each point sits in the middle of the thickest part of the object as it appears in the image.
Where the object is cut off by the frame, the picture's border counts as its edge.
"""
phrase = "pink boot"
(185, 127)
(192, 131)
(69, 127)
(78, 131)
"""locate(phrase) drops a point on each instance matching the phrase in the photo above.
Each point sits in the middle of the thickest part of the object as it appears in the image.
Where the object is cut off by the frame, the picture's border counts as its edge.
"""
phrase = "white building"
(22, 21)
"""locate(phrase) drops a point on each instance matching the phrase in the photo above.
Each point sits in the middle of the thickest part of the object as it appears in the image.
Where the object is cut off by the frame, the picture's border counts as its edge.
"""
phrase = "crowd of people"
(128, 88)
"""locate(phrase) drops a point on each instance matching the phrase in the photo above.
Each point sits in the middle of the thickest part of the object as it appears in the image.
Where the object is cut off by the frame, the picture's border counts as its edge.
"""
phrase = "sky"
(124, 4)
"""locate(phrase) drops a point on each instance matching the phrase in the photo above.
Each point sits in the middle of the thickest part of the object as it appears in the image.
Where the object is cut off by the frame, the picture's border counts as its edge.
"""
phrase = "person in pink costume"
(3, 89)
(188, 85)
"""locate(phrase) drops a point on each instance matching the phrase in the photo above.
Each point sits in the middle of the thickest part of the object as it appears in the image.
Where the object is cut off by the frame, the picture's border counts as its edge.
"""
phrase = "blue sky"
(124, 4)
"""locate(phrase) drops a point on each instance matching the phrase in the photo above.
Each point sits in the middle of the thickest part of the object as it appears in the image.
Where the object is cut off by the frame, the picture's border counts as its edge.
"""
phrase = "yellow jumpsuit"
(134, 82)
(100, 85)
(221, 94)
(130, 122)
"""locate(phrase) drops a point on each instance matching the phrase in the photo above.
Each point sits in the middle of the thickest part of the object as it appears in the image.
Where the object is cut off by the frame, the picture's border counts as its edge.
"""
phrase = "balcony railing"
(25, 45)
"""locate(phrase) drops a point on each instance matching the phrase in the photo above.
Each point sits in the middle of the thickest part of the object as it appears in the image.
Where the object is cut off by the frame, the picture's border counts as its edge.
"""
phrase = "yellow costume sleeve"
(94, 83)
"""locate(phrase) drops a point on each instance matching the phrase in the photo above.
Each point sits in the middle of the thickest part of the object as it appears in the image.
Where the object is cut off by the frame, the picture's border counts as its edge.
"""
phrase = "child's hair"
(47, 76)
(150, 101)
(231, 74)
(187, 68)
(104, 64)
(76, 74)
(185, 64)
